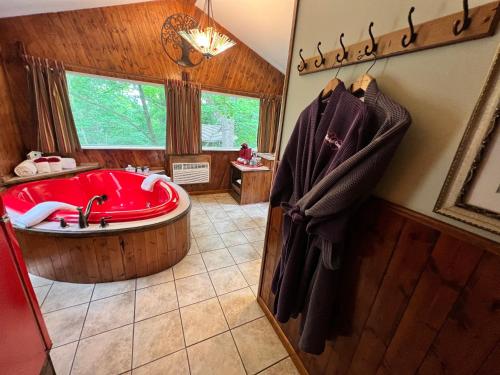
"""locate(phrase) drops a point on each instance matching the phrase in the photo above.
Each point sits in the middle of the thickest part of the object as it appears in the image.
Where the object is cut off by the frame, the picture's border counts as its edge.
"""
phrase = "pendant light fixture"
(208, 40)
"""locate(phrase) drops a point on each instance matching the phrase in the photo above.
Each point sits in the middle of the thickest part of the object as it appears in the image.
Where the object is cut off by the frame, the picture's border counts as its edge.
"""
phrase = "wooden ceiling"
(118, 41)
(126, 39)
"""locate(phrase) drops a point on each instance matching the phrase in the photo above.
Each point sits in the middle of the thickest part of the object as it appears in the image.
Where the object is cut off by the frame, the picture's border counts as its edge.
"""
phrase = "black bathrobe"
(332, 161)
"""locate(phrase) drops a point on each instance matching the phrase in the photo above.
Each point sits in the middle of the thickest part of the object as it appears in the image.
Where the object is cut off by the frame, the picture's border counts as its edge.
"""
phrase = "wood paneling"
(421, 297)
(107, 257)
(121, 41)
(11, 148)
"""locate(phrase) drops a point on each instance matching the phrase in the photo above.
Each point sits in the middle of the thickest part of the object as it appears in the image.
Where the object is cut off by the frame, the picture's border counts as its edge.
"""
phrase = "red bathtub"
(126, 200)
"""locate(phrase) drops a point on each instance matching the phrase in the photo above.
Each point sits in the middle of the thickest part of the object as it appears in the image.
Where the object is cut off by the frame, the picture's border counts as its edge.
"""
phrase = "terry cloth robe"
(316, 218)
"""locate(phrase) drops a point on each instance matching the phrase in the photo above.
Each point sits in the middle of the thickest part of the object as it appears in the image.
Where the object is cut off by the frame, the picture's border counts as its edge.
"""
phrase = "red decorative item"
(245, 152)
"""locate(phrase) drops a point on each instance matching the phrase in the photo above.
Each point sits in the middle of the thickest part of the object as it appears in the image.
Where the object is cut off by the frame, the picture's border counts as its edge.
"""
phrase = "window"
(117, 113)
(227, 121)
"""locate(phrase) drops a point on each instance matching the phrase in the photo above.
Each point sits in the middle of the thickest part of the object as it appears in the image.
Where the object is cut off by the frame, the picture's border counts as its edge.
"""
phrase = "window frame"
(119, 79)
(225, 149)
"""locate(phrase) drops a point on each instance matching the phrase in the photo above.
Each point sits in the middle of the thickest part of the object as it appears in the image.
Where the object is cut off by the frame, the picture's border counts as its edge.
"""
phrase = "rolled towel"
(150, 181)
(40, 212)
(42, 165)
(55, 163)
(26, 168)
(68, 163)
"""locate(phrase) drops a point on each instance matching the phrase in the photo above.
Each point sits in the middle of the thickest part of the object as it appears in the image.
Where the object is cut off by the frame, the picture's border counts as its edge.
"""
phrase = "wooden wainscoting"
(423, 296)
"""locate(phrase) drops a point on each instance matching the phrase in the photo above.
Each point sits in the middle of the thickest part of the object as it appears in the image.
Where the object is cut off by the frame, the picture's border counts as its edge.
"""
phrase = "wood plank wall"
(424, 297)
(11, 148)
(121, 41)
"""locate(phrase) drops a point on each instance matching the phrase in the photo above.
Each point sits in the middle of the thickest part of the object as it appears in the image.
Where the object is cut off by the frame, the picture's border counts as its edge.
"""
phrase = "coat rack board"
(475, 23)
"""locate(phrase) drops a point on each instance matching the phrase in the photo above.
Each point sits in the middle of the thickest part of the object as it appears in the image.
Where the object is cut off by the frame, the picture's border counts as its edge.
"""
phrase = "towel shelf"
(11, 180)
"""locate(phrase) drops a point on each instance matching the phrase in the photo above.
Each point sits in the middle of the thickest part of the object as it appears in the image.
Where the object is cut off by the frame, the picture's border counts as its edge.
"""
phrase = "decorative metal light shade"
(207, 41)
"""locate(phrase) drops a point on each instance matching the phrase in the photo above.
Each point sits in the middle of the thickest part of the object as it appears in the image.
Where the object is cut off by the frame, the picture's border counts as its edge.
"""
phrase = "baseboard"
(220, 191)
(284, 340)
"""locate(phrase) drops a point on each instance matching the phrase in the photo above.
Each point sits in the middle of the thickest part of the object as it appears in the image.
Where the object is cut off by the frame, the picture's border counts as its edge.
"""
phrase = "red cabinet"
(24, 342)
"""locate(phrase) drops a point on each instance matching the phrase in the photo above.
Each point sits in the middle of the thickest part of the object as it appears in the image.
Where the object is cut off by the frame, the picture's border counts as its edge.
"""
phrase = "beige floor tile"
(202, 320)
(194, 248)
(41, 292)
(62, 358)
(108, 313)
(39, 281)
(251, 271)
(194, 289)
(237, 214)
(63, 295)
(227, 279)
(156, 278)
(103, 290)
(107, 353)
(203, 230)
(217, 259)
(157, 337)
(245, 223)
(258, 344)
(261, 221)
(199, 219)
(217, 215)
(233, 238)
(285, 367)
(255, 289)
(258, 246)
(254, 234)
(155, 300)
(243, 253)
(197, 210)
(189, 266)
(173, 364)
(65, 325)
(209, 243)
(225, 226)
(215, 356)
(240, 307)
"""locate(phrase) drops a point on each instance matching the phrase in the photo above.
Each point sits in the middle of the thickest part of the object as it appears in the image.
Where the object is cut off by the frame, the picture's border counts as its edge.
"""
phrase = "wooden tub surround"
(121, 251)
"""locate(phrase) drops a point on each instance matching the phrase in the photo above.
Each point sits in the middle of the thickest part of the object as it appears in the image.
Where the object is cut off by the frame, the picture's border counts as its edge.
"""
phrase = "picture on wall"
(471, 192)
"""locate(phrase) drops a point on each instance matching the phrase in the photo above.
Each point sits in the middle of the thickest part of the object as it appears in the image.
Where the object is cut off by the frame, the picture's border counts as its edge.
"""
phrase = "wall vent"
(191, 173)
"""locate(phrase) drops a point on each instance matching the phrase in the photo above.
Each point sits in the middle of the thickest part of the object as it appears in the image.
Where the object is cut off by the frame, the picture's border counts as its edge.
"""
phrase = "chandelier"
(207, 41)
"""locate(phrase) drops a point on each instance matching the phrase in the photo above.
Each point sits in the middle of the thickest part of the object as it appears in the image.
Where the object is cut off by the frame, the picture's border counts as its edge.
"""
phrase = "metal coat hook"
(302, 66)
(374, 45)
(457, 29)
(345, 54)
(316, 64)
(405, 42)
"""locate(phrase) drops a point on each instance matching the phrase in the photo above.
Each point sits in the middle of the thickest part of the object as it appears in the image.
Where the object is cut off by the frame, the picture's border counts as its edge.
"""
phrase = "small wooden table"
(250, 184)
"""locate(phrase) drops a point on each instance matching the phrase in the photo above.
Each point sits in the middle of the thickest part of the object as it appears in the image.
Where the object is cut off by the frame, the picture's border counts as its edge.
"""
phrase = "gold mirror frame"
(470, 154)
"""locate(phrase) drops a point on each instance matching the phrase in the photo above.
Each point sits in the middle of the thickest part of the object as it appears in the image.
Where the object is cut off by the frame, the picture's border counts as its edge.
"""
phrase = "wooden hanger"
(330, 86)
(362, 83)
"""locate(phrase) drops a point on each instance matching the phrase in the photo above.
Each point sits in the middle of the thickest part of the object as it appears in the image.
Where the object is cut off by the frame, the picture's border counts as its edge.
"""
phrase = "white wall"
(439, 87)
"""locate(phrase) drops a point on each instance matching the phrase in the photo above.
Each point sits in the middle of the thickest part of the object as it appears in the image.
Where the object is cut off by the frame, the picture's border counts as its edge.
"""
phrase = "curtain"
(183, 117)
(269, 116)
(56, 131)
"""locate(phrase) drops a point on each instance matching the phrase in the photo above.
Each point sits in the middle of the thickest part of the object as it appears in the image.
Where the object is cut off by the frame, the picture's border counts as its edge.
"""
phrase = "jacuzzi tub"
(126, 200)
(148, 231)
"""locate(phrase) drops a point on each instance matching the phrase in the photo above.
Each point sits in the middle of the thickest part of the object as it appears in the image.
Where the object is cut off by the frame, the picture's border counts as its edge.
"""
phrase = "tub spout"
(83, 218)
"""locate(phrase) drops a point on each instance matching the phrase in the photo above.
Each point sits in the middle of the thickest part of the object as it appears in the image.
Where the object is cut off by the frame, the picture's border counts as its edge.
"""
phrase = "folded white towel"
(40, 212)
(26, 168)
(55, 163)
(42, 165)
(68, 163)
(150, 181)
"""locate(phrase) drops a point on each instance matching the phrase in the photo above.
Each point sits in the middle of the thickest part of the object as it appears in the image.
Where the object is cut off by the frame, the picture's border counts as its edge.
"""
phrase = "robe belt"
(294, 212)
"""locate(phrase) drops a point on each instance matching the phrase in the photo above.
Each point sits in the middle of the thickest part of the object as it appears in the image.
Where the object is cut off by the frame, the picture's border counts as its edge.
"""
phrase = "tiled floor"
(200, 317)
